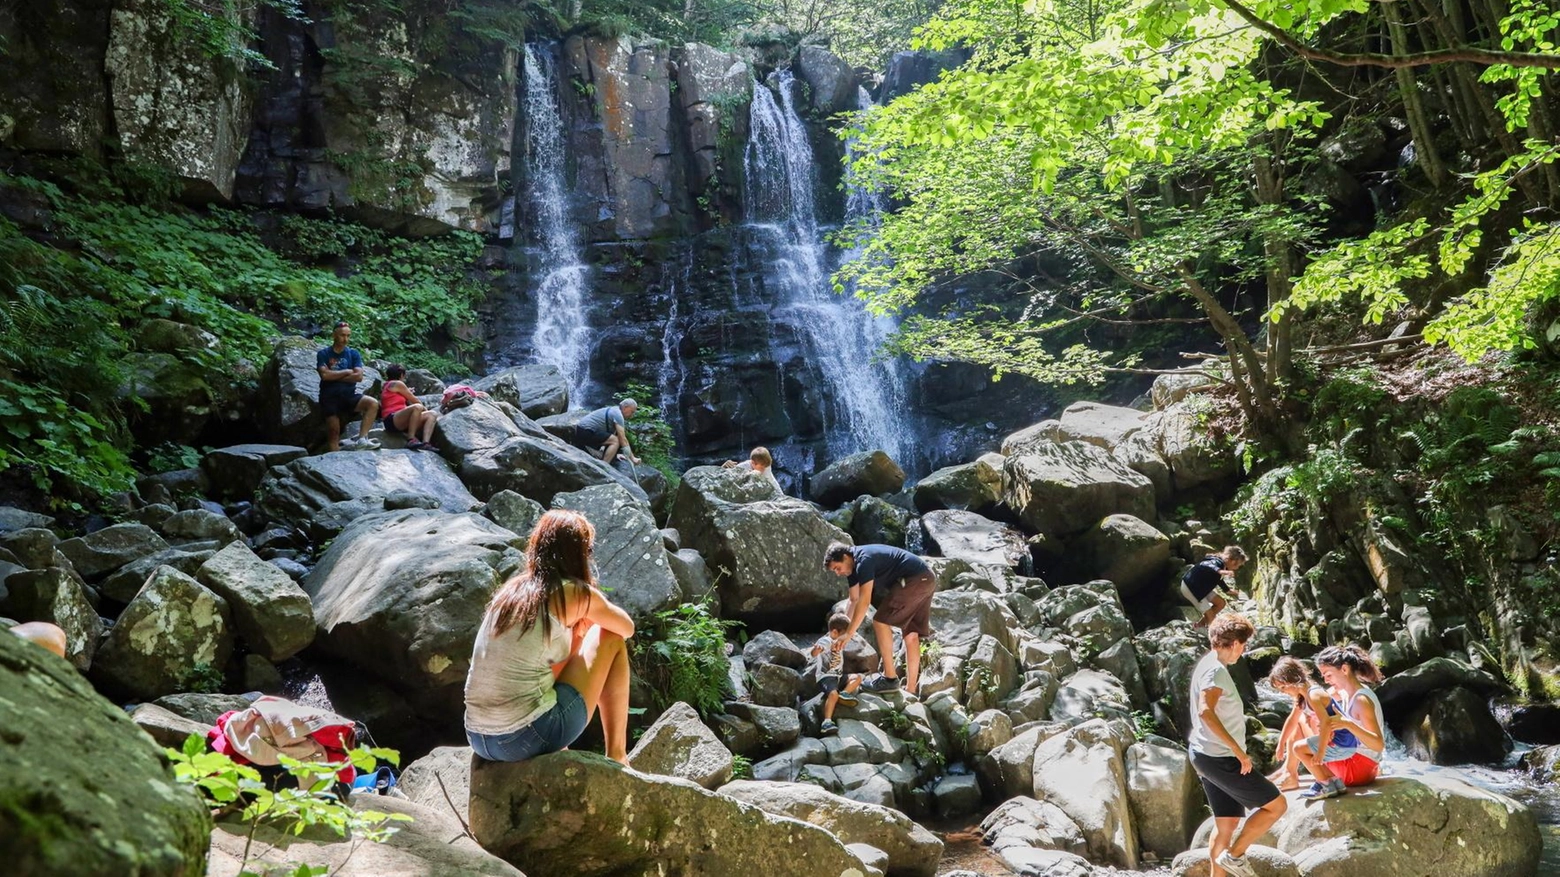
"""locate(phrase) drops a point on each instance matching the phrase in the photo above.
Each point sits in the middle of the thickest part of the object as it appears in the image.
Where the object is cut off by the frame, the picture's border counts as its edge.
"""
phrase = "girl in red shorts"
(1350, 737)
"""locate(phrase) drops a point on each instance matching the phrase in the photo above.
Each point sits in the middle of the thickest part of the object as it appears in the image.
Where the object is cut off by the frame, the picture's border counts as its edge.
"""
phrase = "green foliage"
(741, 767)
(650, 434)
(681, 654)
(925, 755)
(222, 29)
(1144, 725)
(69, 317)
(171, 457)
(203, 678)
(309, 799)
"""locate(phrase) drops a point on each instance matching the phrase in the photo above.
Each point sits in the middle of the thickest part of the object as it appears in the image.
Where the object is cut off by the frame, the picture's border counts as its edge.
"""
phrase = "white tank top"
(1381, 722)
(510, 683)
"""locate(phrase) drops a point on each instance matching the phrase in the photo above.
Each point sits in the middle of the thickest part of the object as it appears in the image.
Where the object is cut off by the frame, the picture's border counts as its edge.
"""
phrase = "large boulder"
(973, 487)
(430, 843)
(1082, 772)
(716, 88)
(1197, 460)
(678, 744)
(271, 614)
(873, 520)
(87, 793)
(631, 561)
(56, 596)
(976, 540)
(1105, 426)
(1452, 827)
(1063, 489)
(912, 850)
(831, 83)
(1124, 550)
(1266, 861)
(103, 551)
(124, 583)
(1454, 726)
(1402, 692)
(570, 813)
(440, 780)
(494, 450)
(298, 491)
(537, 390)
(172, 627)
(235, 472)
(1165, 795)
(765, 548)
(869, 473)
(400, 596)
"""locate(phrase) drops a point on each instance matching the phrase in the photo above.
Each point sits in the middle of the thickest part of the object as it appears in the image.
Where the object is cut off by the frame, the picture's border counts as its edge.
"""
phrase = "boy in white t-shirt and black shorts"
(832, 679)
(1218, 752)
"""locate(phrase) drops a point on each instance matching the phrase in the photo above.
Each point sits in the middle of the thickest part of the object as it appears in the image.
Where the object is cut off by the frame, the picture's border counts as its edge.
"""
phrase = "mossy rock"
(83, 791)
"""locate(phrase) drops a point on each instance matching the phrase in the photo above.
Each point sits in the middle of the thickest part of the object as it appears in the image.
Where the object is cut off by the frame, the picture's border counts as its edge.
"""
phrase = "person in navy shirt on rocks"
(901, 586)
(1200, 586)
(341, 367)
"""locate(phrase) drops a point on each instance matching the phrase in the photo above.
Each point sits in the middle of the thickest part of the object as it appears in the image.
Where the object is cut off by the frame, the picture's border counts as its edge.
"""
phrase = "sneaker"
(415, 444)
(360, 444)
(1322, 791)
(881, 683)
(848, 698)
(1236, 865)
(828, 728)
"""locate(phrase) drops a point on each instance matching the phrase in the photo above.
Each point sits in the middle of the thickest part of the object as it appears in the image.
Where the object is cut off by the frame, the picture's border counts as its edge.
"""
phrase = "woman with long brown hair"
(549, 652)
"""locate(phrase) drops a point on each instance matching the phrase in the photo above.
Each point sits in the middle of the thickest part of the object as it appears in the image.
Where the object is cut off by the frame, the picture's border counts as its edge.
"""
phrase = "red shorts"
(1356, 770)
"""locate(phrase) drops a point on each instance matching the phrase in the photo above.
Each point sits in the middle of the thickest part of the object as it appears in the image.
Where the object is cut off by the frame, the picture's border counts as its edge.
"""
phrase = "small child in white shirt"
(830, 654)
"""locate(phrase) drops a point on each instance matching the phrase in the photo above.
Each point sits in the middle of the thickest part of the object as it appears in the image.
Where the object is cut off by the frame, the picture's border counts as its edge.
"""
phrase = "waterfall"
(865, 400)
(562, 336)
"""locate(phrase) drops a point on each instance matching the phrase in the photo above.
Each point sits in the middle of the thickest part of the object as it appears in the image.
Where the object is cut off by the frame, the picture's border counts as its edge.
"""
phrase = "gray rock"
(776, 727)
(774, 685)
(766, 549)
(1023, 821)
(831, 83)
(870, 473)
(1089, 693)
(1165, 796)
(772, 647)
(261, 675)
(1172, 388)
(692, 574)
(397, 500)
(494, 450)
(13, 519)
(236, 472)
(110, 548)
(173, 625)
(1105, 426)
(976, 540)
(542, 812)
(1455, 726)
(441, 781)
(203, 709)
(429, 842)
(537, 390)
(137, 819)
(1031, 862)
(410, 617)
(303, 489)
(957, 795)
(974, 487)
(1267, 862)
(911, 850)
(290, 392)
(271, 614)
(34, 548)
(1081, 771)
(787, 766)
(58, 597)
(515, 513)
(165, 726)
(871, 520)
(1126, 551)
(1062, 489)
(678, 744)
(1401, 692)
(631, 562)
(200, 525)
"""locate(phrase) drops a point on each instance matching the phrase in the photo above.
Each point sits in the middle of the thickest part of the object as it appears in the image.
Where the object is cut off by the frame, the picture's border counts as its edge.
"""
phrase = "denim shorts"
(550, 732)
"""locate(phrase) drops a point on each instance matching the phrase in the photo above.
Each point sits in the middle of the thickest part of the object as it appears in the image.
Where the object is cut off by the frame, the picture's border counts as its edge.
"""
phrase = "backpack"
(458, 396)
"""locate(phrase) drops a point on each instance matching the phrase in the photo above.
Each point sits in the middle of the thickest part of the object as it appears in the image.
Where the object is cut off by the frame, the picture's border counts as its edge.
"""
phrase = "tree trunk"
(1268, 174)
(1408, 88)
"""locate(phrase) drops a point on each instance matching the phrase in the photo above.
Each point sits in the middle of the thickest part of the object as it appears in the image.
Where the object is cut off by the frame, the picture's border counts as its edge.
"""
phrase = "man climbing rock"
(604, 432)
(903, 585)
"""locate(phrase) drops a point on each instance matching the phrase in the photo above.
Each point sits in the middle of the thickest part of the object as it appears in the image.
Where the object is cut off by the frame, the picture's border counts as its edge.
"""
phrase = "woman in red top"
(400, 411)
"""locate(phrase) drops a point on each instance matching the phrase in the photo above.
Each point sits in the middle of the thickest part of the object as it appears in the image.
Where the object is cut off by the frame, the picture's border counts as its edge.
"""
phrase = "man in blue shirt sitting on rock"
(341, 367)
(903, 586)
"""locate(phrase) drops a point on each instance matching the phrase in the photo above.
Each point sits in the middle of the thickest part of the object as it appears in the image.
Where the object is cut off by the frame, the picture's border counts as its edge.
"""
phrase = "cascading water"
(865, 400)
(563, 335)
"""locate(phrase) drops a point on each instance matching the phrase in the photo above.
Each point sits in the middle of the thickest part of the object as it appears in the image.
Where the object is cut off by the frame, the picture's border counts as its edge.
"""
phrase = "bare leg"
(369, 406)
(333, 433)
(1213, 611)
(599, 672)
(1302, 752)
(1287, 775)
(885, 645)
(828, 705)
(912, 662)
(1223, 830)
(428, 421)
(1257, 825)
(609, 452)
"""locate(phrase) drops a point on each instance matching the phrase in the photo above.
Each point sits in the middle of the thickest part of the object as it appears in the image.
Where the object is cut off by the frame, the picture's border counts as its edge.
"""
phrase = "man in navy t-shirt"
(1200, 586)
(903, 586)
(341, 367)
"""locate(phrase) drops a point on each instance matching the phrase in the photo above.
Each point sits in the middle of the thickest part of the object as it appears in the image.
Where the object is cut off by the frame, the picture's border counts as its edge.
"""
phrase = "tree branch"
(1376, 59)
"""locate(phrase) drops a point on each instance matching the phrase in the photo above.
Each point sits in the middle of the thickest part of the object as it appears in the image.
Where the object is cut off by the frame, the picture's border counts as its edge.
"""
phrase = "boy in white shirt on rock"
(831, 665)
